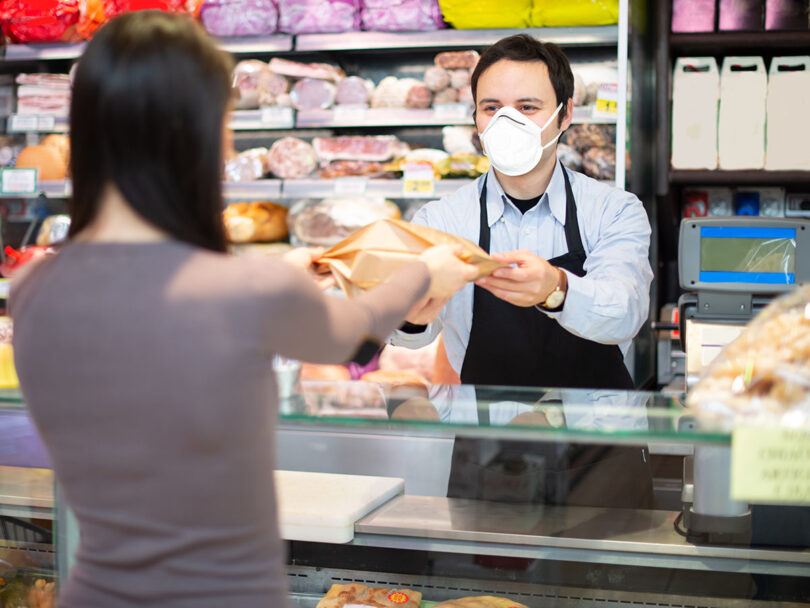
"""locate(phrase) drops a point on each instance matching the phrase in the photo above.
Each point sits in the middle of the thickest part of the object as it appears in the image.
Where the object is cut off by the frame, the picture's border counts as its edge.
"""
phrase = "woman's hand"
(448, 273)
(305, 258)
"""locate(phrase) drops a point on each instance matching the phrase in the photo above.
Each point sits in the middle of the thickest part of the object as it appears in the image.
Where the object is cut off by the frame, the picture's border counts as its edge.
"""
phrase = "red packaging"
(25, 21)
(695, 204)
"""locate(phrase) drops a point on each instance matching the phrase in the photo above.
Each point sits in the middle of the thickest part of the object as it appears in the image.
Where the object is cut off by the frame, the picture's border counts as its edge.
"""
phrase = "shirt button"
(503, 220)
(527, 231)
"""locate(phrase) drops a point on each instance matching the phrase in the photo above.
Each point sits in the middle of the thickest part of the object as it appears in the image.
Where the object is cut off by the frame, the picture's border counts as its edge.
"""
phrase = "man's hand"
(527, 285)
(426, 310)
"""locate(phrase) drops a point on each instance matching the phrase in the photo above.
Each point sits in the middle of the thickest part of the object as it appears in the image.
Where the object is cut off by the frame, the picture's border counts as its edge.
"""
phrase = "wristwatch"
(556, 298)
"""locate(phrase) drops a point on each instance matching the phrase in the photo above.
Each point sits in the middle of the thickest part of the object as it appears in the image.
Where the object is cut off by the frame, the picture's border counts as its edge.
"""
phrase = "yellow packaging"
(486, 14)
(559, 13)
(8, 374)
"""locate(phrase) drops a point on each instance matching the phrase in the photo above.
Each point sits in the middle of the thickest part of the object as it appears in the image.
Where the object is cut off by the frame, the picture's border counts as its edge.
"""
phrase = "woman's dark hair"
(523, 47)
(149, 98)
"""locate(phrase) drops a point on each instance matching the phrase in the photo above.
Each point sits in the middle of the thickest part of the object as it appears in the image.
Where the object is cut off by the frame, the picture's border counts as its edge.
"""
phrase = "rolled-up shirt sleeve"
(611, 302)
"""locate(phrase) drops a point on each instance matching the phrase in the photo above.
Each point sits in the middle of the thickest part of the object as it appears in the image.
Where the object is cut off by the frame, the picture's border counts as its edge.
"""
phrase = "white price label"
(606, 101)
(350, 185)
(418, 182)
(46, 123)
(349, 114)
(18, 181)
(452, 111)
(21, 123)
(281, 117)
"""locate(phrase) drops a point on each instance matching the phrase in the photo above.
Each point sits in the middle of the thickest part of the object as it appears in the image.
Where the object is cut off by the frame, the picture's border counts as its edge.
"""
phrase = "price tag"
(418, 181)
(350, 185)
(349, 114)
(770, 465)
(278, 117)
(452, 111)
(606, 101)
(18, 181)
(22, 123)
(46, 123)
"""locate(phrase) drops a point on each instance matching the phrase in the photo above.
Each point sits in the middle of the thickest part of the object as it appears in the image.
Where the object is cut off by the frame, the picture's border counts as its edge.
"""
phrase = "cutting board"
(323, 507)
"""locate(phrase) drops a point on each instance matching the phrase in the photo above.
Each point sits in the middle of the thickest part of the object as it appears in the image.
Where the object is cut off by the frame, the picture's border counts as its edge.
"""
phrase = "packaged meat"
(247, 166)
(462, 165)
(43, 21)
(354, 91)
(447, 95)
(252, 80)
(459, 78)
(43, 94)
(481, 601)
(580, 90)
(389, 94)
(766, 371)
(419, 96)
(600, 163)
(569, 157)
(239, 17)
(584, 137)
(401, 15)
(437, 78)
(278, 85)
(355, 594)
(54, 230)
(255, 221)
(294, 69)
(290, 158)
(454, 60)
(48, 162)
(313, 94)
(458, 140)
(465, 96)
(326, 222)
(284, 100)
(358, 147)
(427, 155)
(318, 16)
(349, 168)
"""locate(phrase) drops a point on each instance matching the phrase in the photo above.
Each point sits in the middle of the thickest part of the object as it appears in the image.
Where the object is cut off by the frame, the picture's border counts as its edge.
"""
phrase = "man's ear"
(569, 114)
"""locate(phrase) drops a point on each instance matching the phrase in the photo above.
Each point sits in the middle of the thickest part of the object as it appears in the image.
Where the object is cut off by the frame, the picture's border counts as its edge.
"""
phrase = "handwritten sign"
(770, 465)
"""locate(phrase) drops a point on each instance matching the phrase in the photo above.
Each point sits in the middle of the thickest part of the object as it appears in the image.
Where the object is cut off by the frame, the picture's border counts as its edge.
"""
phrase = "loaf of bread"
(482, 601)
(255, 221)
(355, 594)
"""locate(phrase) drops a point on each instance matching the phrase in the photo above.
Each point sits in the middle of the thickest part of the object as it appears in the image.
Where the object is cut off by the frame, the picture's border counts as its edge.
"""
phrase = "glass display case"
(546, 497)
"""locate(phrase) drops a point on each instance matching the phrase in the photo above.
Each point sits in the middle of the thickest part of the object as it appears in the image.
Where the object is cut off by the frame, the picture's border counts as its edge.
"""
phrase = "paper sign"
(46, 123)
(418, 181)
(770, 465)
(349, 114)
(18, 181)
(452, 111)
(350, 185)
(606, 101)
(20, 123)
(279, 117)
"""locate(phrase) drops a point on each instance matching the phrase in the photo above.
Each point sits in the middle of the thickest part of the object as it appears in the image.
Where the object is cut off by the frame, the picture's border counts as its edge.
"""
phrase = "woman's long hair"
(149, 99)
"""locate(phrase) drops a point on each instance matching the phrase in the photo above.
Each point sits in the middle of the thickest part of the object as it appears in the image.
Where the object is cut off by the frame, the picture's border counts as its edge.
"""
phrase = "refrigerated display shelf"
(724, 42)
(749, 177)
(47, 189)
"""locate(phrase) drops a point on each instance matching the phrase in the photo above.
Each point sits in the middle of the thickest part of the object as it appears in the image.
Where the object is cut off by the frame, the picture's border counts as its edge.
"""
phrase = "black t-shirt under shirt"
(524, 204)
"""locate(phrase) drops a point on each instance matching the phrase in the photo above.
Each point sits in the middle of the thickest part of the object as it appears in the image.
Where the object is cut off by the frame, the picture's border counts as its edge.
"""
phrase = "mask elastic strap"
(550, 118)
(551, 143)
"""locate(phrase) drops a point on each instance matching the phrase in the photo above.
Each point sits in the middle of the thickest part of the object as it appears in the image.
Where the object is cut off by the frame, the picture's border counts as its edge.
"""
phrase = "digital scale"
(731, 268)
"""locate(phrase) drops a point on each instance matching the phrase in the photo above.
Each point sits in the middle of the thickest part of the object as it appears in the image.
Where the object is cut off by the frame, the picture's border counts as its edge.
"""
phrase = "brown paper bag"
(372, 254)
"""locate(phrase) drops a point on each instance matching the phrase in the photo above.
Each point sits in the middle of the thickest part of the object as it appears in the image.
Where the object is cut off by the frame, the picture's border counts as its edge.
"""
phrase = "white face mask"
(513, 142)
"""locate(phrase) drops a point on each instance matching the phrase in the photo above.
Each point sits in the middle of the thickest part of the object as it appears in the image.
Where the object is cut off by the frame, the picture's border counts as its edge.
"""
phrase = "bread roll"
(60, 143)
(256, 221)
(48, 162)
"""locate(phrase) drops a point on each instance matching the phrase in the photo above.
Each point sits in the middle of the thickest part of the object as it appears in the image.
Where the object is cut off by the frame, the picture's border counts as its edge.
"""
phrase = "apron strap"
(572, 236)
(483, 231)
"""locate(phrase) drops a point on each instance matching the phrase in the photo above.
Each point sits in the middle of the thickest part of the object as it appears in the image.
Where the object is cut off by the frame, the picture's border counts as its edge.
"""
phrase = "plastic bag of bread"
(766, 371)
(256, 221)
(54, 230)
(328, 221)
(481, 601)
(372, 254)
(355, 594)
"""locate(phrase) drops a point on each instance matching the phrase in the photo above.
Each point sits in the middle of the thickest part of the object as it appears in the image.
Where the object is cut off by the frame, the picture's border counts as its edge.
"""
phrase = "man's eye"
(528, 109)
(491, 108)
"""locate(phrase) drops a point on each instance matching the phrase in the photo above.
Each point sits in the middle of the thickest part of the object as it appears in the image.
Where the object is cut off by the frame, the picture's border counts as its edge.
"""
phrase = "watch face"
(554, 299)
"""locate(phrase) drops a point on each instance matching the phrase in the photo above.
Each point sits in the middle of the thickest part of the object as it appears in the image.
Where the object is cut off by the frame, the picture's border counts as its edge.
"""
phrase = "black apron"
(521, 346)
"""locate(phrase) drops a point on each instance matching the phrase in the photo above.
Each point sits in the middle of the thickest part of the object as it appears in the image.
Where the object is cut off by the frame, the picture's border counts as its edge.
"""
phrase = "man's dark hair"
(523, 47)
(149, 99)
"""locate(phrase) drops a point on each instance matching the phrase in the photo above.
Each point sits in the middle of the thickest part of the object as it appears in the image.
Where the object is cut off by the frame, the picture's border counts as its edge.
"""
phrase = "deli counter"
(557, 498)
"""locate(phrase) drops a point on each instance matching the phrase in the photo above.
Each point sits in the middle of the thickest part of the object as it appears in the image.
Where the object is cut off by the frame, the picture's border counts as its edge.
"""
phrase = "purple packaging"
(693, 15)
(741, 15)
(239, 17)
(401, 15)
(318, 16)
(786, 15)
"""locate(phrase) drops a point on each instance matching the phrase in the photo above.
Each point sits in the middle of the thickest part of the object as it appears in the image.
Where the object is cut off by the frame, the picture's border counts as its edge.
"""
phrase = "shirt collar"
(555, 195)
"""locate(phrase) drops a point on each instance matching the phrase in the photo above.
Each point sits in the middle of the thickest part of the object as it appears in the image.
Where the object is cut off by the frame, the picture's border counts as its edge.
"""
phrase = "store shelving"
(36, 123)
(47, 189)
(262, 189)
(262, 119)
(751, 177)
(765, 41)
(278, 43)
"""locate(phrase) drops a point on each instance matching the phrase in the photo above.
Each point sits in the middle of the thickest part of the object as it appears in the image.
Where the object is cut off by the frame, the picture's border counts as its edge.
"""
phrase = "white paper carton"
(741, 125)
(695, 95)
(788, 129)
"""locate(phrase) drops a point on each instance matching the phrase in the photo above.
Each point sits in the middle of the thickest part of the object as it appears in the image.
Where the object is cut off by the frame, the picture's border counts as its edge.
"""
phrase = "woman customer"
(144, 350)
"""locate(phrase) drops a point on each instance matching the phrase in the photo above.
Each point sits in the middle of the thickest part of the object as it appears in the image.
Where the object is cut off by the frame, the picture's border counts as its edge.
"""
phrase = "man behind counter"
(576, 291)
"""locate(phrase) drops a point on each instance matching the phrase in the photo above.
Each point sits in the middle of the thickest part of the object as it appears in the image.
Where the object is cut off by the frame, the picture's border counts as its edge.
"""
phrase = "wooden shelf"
(722, 42)
(763, 178)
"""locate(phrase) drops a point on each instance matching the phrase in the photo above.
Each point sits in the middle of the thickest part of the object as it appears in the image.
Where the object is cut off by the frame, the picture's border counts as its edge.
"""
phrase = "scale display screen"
(754, 255)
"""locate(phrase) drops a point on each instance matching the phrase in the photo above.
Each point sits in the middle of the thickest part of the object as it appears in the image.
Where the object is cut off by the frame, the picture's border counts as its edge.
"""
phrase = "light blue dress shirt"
(608, 305)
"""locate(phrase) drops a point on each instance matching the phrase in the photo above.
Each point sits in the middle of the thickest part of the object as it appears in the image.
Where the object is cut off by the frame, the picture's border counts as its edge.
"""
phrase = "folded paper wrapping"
(374, 253)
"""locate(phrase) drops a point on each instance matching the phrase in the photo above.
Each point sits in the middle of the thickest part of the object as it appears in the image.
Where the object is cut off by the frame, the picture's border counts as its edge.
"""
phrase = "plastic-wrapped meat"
(401, 15)
(418, 96)
(459, 78)
(354, 91)
(247, 166)
(251, 79)
(318, 16)
(43, 21)
(600, 163)
(294, 69)
(465, 96)
(389, 94)
(327, 222)
(580, 90)
(52, 81)
(291, 158)
(454, 60)
(377, 148)
(239, 17)
(458, 140)
(273, 91)
(312, 94)
(569, 157)
(347, 168)
(437, 78)
(447, 95)
(278, 84)
(284, 100)
(584, 137)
